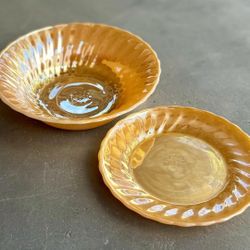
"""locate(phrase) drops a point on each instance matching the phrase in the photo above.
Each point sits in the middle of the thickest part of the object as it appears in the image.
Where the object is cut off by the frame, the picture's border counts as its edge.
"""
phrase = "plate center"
(179, 169)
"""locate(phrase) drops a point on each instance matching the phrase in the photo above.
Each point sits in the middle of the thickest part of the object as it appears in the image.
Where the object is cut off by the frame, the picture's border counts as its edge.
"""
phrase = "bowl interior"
(178, 165)
(77, 71)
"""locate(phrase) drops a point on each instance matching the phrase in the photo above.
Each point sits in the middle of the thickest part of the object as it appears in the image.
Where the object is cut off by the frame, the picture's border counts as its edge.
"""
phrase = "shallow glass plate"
(178, 165)
(79, 75)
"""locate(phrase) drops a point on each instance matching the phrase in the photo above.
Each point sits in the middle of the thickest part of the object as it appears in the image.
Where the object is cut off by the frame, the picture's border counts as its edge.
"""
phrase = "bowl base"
(81, 92)
(79, 126)
(179, 169)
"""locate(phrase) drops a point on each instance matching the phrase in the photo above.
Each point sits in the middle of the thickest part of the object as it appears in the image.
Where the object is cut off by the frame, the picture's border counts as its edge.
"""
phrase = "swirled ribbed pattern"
(229, 140)
(37, 58)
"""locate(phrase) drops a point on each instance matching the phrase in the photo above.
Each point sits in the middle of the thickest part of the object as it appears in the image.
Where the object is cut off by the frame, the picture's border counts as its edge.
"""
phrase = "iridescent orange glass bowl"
(77, 76)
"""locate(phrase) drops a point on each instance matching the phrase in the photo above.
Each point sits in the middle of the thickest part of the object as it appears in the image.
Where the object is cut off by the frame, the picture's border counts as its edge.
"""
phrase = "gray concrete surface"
(51, 192)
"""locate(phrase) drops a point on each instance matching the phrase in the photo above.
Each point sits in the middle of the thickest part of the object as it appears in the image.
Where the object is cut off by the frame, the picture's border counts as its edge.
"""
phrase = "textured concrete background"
(51, 192)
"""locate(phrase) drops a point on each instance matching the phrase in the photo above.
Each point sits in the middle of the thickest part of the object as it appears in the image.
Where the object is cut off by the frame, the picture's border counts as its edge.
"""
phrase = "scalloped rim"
(141, 211)
(107, 117)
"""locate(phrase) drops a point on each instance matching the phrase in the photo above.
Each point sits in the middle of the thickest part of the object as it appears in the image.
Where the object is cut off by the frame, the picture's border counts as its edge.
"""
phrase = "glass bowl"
(77, 76)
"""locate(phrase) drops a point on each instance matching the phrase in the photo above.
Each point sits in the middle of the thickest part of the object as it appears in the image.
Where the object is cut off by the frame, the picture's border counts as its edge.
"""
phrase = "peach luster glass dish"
(77, 76)
(178, 165)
